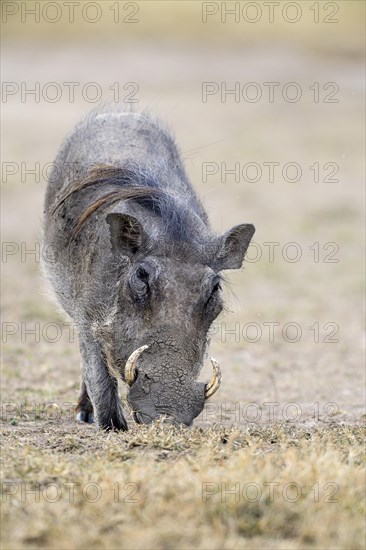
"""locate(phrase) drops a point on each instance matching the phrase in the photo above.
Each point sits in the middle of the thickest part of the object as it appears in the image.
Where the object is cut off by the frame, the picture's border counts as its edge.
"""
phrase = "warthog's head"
(169, 294)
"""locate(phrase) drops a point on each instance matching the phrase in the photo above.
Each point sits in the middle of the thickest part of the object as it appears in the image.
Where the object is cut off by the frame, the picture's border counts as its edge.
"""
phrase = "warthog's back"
(114, 137)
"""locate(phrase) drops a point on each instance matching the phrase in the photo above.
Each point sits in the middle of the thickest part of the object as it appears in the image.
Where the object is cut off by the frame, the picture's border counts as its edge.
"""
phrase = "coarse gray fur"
(134, 263)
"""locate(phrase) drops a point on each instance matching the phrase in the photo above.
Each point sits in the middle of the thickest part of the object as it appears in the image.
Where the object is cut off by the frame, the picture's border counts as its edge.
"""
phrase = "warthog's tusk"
(213, 385)
(131, 365)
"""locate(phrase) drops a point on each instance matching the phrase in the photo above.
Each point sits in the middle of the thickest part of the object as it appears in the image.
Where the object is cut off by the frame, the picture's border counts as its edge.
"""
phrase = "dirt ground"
(291, 342)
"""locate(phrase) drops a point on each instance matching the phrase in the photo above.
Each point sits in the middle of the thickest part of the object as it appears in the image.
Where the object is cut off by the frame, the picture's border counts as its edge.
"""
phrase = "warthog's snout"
(131, 372)
(147, 403)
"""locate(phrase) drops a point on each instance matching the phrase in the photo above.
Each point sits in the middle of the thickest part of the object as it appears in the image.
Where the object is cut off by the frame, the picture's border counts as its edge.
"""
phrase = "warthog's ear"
(126, 233)
(233, 246)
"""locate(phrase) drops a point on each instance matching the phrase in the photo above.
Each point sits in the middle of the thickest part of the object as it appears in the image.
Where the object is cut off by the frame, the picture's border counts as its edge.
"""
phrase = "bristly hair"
(131, 184)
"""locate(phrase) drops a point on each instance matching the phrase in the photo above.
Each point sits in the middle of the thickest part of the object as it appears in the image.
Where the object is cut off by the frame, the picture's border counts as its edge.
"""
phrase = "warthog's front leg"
(99, 390)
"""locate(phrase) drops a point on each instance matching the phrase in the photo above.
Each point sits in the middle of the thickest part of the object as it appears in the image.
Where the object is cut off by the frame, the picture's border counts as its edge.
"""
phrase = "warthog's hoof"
(85, 416)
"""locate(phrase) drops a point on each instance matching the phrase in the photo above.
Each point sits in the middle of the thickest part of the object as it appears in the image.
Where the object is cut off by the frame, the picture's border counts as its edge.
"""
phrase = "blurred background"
(266, 100)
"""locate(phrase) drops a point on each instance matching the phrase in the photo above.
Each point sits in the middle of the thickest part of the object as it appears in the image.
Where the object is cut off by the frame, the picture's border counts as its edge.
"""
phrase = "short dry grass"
(158, 487)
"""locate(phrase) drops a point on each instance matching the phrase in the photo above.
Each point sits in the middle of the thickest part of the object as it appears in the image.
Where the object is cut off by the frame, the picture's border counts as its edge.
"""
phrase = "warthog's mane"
(131, 184)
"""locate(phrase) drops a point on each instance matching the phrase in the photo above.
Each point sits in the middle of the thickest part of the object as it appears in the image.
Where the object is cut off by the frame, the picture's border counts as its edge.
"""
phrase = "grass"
(163, 487)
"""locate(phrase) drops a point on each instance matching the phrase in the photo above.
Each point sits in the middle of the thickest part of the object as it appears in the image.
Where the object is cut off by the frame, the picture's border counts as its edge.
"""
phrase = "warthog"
(136, 267)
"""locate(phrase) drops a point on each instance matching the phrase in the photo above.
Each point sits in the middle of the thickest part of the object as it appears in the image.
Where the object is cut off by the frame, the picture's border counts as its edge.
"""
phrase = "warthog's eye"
(214, 291)
(216, 288)
(142, 280)
(139, 283)
(142, 274)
